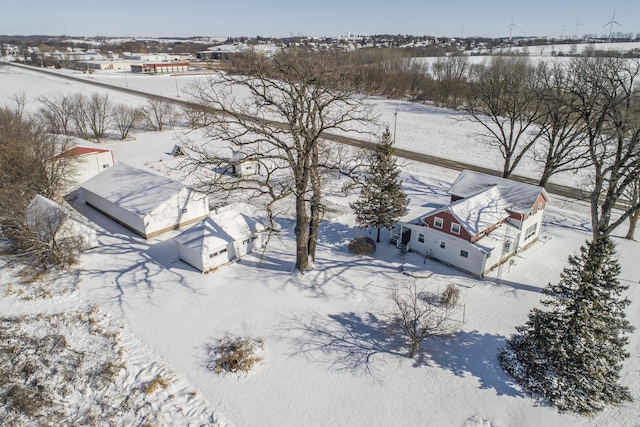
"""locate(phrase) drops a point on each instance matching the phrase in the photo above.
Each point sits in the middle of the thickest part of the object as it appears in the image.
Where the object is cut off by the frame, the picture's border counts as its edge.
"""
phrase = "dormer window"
(455, 228)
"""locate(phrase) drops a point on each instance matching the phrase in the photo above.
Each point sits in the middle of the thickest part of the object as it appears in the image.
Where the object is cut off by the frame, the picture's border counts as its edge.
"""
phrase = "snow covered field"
(328, 359)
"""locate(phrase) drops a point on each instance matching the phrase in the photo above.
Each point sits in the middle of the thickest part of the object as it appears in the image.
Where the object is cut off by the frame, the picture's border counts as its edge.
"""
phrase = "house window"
(539, 206)
(438, 222)
(442, 244)
(455, 228)
(464, 254)
(530, 231)
(421, 238)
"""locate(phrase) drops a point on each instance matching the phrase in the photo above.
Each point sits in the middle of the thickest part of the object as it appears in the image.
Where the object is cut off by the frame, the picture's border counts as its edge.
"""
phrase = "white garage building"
(144, 202)
(219, 239)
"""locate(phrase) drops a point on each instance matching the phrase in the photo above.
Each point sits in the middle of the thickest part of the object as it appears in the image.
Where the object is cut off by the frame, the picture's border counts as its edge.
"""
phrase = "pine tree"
(382, 200)
(571, 354)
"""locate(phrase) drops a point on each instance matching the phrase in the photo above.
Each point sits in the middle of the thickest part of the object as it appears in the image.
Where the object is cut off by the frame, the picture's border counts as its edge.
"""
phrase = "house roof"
(71, 146)
(42, 213)
(514, 196)
(136, 190)
(487, 200)
(218, 230)
(81, 151)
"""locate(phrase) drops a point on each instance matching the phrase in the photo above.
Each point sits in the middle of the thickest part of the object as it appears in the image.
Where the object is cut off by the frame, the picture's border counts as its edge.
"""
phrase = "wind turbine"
(578, 24)
(511, 27)
(611, 23)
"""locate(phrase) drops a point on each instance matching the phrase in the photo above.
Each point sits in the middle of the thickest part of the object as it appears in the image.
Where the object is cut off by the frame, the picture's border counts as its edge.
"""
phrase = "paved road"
(557, 189)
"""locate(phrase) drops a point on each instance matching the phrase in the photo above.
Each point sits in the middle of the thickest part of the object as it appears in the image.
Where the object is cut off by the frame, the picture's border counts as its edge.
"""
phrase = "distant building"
(159, 67)
(91, 159)
(488, 220)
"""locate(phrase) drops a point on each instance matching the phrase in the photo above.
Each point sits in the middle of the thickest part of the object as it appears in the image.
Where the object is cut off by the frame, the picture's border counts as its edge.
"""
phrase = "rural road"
(553, 188)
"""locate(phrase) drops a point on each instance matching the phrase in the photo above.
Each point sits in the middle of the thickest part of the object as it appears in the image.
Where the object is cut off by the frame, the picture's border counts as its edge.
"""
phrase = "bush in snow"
(451, 296)
(362, 245)
(418, 314)
(233, 354)
(571, 355)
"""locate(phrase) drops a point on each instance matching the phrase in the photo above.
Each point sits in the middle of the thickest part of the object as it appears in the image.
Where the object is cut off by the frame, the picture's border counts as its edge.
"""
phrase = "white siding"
(186, 206)
(533, 219)
(132, 221)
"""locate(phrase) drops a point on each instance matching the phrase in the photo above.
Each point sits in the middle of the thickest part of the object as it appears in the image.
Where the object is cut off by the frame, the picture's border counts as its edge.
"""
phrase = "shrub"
(233, 354)
(450, 296)
(362, 245)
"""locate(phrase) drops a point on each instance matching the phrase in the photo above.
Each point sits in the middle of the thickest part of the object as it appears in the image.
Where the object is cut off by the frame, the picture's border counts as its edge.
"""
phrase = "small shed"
(219, 239)
(144, 202)
(91, 159)
(50, 220)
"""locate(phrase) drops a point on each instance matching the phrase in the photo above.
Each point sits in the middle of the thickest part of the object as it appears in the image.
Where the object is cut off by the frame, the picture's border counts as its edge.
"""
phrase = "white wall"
(533, 219)
(170, 213)
(474, 263)
(132, 221)
(90, 165)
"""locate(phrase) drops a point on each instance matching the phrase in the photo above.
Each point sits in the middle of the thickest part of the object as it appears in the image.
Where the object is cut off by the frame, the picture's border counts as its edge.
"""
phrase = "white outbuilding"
(91, 159)
(144, 202)
(219, 239)
(52, 221)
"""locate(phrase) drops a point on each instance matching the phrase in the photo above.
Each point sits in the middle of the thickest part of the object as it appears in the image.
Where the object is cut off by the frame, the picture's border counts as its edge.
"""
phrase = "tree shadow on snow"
(472, 353)
(348, 342)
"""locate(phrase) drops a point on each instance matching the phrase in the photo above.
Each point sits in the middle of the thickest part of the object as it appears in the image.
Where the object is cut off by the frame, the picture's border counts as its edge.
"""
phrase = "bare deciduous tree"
(633, 197)
(125, 119)
(560, 147)
(503, 101)
(450, 73)
(29, 164)
(158, 113)
(291, 100)
(98, 114)
(609, 106)
(418, 314)
(57, 113)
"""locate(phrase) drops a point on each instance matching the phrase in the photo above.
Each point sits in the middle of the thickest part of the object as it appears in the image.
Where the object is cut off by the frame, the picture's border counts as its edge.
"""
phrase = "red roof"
(81, 151)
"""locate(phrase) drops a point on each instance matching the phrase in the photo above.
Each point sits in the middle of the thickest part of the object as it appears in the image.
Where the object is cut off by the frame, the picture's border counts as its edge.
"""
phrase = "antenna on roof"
(611, 24)
(511, 27)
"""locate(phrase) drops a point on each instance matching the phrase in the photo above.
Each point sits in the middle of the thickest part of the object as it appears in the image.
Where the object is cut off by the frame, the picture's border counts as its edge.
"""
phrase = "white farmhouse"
(219, 239)
(488, 220)
(144, 202)
(52, 221)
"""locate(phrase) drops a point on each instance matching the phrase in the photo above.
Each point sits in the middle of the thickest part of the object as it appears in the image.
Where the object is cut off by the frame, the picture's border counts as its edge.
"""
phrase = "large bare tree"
(274, 111)
(609, 106)
(503, 100)
(29, 164)
(560, 147)
(125, 119)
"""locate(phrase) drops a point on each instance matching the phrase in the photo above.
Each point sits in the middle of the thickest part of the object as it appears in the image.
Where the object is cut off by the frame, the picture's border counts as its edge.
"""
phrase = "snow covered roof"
(479, 212)
(218, 230)
(43, 213)
(135, 190)
(514, 196)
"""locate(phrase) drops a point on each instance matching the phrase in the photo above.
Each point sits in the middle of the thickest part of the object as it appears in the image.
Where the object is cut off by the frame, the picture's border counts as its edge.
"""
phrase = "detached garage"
(219, 239)
(145, 203)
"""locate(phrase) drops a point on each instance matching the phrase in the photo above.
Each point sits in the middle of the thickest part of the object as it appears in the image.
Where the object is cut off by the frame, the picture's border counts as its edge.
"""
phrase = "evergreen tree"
(382, 200)
(571, 354)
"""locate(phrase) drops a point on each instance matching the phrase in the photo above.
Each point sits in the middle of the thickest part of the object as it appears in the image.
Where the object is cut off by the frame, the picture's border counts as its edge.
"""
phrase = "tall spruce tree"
(382, 200)
(571, 354)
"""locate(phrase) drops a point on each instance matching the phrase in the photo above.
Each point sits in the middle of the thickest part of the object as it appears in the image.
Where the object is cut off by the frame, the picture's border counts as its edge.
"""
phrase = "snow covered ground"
(328, 358)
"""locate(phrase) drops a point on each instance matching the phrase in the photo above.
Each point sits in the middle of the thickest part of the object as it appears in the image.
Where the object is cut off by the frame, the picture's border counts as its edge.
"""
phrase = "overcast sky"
(279, 18)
